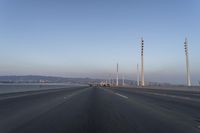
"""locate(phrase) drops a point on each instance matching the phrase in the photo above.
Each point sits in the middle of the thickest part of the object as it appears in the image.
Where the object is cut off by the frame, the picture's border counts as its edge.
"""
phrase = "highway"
(100, 110)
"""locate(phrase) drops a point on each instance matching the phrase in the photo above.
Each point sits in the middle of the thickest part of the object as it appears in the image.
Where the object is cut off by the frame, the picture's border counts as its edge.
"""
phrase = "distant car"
(108, 85)
(90, 85)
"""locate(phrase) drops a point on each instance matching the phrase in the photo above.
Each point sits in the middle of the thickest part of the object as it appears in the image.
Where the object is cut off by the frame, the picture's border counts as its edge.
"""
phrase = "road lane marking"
(121, 95)
(116, 93)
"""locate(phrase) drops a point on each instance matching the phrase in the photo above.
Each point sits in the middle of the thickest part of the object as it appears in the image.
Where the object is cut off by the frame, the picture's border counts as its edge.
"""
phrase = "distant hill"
(40, 79)
(51, 79)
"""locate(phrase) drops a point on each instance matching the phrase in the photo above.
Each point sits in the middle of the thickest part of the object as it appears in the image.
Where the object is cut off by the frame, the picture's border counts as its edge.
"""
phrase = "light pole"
(187, 62)
(138, 76)
(123, 80)
(142, 62)
(117, 79)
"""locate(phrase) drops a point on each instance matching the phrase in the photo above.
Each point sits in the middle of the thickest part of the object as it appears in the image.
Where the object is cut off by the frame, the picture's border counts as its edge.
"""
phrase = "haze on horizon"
(77, 38)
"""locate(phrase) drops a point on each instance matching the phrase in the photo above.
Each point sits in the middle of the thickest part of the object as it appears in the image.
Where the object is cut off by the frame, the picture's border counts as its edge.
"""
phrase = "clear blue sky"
(85, 38)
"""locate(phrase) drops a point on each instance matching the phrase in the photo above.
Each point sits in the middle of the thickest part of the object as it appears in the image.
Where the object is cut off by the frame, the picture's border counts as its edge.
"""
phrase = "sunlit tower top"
(142, 62)
(187, 62)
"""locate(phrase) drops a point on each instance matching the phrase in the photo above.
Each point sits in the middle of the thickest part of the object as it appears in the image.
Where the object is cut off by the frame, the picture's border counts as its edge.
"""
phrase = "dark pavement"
(100, 110)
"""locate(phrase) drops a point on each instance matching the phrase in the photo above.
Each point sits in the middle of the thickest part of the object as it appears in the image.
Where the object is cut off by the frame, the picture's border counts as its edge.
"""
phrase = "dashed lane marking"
(116, 93)
(121, 95)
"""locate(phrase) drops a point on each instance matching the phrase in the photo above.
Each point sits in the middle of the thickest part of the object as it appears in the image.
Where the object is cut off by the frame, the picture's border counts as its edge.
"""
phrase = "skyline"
(87, 38)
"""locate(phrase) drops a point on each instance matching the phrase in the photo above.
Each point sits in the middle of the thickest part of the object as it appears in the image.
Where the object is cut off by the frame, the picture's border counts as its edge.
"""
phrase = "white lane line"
(121, 95)
(116, 93)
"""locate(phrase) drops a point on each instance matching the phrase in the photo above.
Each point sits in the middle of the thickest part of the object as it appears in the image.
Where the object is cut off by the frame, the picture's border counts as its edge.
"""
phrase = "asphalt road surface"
(100, 110)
